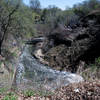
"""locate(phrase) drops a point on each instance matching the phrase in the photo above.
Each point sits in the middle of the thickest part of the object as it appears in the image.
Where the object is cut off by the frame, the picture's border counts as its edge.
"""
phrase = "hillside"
(49, 53)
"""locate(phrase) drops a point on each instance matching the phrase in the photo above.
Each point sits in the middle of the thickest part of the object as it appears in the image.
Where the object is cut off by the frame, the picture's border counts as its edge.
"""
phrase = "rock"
(39, 55)
(81, 43)
(35, 40)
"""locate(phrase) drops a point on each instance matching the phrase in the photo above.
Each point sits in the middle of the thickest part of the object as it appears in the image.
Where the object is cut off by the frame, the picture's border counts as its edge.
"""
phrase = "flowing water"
(32, 74)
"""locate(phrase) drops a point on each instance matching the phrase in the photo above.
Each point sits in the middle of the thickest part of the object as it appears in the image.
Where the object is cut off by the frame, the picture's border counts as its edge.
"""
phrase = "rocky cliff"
(65, 47)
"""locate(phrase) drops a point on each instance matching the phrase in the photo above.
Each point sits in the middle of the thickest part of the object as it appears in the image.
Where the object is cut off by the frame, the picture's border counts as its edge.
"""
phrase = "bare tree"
(35, 5)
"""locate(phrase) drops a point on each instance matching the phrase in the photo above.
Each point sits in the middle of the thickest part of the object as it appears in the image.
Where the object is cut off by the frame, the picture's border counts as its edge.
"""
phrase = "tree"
(5, 20)
(86, 7)
(35, 5)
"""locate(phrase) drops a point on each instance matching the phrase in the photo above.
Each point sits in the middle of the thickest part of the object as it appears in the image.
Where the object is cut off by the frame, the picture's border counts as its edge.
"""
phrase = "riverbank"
(77, 91)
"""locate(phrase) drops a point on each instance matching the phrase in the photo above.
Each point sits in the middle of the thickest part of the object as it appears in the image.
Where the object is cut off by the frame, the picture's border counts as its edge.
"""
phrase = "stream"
(32, 74)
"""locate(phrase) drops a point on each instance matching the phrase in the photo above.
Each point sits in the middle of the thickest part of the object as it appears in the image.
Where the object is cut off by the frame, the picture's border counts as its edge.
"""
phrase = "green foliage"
(86, 7)
(2, 90)
(29, 93)
(10, 96)
(24, 19)
(0, 63)
(97, 61)
(96, 65)
(93, 67)
(92, 70)
(21, 22)
(45, 93)
(52, 16)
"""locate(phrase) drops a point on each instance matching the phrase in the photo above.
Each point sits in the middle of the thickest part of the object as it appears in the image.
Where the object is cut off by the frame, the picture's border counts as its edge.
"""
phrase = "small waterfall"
(32, 74)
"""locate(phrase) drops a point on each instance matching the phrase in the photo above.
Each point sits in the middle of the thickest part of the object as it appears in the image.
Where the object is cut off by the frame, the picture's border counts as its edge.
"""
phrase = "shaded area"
(65, 48)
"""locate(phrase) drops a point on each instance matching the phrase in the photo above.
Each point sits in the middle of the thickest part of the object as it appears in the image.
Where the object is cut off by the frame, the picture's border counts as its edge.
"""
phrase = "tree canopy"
(26, 21)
